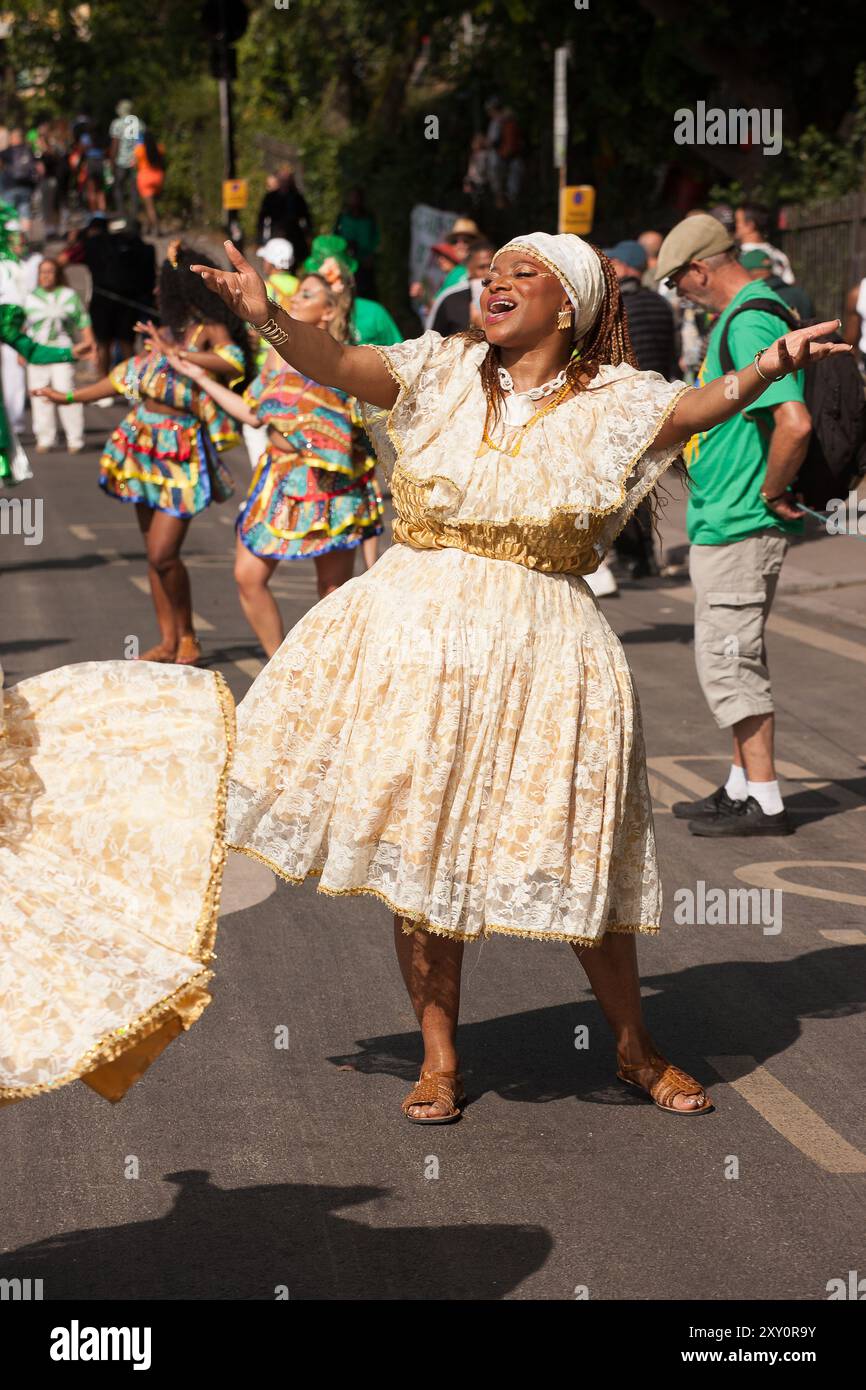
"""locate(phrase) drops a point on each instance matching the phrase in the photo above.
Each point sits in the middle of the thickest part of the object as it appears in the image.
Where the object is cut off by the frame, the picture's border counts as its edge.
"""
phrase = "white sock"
(736, 784)
(768, 797)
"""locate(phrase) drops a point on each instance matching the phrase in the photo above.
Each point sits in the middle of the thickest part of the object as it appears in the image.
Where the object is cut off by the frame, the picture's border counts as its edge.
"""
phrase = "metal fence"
(826, 245)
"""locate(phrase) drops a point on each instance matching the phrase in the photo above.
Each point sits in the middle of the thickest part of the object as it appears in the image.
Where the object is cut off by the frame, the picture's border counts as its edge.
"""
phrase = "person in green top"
(54, 314)
(357, 225)
(740, 515)
(370, 322)
(14, 467)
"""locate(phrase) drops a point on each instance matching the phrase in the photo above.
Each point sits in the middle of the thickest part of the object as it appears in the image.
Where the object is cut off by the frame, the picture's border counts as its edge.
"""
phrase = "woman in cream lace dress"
(455, 731)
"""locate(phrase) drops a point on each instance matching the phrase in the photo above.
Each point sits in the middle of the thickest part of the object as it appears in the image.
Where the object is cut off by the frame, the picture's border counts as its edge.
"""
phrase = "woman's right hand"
(185, 367)
(242, 289)
(49, 394)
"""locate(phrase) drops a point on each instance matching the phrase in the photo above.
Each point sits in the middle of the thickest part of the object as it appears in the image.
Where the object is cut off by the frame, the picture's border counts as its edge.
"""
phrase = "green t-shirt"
(372, 323)
(728, 463)
(454, 276)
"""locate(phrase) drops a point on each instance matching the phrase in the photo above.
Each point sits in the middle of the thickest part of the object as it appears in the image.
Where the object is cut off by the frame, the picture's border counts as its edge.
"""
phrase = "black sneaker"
(744, 818)
(708, 806)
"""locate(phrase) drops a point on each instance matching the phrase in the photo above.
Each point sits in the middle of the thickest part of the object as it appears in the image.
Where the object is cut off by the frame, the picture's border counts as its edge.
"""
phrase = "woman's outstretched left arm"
(703, 407)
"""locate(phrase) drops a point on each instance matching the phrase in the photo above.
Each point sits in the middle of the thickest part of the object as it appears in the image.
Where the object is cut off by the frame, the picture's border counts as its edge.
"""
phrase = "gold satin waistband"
(496, 543)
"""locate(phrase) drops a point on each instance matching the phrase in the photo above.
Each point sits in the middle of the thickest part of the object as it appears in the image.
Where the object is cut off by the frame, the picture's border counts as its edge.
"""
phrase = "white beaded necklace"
(519, 406)
(535, 393)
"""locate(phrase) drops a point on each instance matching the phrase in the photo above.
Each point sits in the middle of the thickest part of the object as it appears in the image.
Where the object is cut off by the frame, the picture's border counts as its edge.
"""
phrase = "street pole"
(227, 131)
(225, 22)
(560, 123)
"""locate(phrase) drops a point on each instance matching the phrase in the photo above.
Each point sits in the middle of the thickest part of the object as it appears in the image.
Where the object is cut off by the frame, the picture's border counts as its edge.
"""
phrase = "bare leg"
(169, 580)
(370, 547)
(612, 972)
(252, 576)
(753, 742)
(431, 966)
(333, 569)
(164, 614)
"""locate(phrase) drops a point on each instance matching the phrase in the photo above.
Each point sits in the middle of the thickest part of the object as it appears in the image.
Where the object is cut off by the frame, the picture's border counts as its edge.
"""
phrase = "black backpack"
(837, 405)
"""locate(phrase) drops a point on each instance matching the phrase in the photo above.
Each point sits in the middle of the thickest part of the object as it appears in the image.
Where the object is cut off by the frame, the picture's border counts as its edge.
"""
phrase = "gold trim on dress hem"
(205, 932)
(112, 1047)
(422, 923)
(176, 1005)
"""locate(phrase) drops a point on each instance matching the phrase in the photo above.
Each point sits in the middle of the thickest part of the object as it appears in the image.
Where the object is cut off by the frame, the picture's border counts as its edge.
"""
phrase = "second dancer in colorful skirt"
(313, 494)
(164, 456)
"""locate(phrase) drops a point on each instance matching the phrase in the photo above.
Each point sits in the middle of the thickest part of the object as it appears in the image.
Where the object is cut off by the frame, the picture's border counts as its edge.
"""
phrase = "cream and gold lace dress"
(456, 731)
(112, 803)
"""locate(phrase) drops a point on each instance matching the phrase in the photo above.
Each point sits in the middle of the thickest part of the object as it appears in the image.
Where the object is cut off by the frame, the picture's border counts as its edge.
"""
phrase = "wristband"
(70, 397)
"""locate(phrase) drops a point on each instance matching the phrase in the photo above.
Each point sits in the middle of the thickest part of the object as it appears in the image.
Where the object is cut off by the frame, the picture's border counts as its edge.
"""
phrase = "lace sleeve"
(405, 362)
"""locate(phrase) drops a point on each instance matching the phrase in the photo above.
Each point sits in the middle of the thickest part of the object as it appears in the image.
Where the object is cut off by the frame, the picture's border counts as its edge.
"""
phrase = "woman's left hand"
(795, 351)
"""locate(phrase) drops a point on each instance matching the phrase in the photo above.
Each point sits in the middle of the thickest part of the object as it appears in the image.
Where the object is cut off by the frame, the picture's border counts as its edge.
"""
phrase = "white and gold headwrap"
(575, 265)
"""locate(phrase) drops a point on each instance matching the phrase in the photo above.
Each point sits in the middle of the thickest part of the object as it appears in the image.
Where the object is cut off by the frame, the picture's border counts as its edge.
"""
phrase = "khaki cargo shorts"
(734, 588)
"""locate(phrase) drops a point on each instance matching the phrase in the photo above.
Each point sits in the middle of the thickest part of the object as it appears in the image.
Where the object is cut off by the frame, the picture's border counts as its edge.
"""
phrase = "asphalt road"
(260, 1169)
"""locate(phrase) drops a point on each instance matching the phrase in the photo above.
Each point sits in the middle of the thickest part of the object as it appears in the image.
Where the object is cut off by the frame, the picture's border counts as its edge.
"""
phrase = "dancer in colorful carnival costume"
(164, 455)
(510, 795)
(312, 495)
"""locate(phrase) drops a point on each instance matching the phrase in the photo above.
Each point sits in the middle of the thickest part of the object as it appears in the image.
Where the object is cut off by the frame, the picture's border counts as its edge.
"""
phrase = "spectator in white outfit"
(55, 315)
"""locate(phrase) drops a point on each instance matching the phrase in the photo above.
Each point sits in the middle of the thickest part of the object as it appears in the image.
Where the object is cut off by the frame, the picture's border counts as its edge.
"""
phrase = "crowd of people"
(60, 168)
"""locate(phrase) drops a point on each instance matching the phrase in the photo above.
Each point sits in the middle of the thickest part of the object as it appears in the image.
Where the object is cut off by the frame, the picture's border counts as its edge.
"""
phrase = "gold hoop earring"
(565, 318)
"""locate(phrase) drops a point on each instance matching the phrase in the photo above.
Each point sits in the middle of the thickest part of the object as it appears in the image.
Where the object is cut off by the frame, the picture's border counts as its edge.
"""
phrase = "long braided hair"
(607, 344)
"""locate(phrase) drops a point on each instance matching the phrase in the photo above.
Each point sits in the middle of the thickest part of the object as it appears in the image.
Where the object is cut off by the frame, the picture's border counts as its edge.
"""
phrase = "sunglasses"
(672, 281)
(454, 237)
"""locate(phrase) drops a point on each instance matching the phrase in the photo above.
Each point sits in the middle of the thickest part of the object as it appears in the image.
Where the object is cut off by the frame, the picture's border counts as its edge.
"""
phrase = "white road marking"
(250, 666)
(82, 533)
(845, 936)
(246, 882)
(789, 1115)
(800, 632)
(198, 621)
(113, 557)
(770, 875)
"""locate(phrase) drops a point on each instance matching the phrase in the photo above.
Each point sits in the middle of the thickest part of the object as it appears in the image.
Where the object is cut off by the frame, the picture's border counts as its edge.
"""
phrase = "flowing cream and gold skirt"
(112, 800)
(459, 737)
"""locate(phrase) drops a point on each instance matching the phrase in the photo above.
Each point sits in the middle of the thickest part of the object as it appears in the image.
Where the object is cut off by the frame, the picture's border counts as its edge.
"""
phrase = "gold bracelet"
(758, 354)
(271, 331)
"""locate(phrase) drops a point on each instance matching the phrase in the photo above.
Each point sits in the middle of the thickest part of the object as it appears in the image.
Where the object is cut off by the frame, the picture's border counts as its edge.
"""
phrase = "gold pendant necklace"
(512, 452)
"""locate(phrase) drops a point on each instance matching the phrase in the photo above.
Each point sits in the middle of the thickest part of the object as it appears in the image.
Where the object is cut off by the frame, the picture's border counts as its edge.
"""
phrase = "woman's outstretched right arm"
(359, 371)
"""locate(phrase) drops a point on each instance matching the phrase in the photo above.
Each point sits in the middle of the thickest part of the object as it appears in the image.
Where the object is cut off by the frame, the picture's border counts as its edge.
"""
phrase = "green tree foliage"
(347, 86)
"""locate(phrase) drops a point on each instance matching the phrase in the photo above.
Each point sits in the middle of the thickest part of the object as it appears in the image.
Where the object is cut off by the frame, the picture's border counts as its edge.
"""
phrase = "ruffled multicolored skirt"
(295, 512)
(168, 462)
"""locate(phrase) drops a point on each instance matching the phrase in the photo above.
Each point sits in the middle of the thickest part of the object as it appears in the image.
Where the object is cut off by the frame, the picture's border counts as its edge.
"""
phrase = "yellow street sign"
(576, 208)
(234, 194)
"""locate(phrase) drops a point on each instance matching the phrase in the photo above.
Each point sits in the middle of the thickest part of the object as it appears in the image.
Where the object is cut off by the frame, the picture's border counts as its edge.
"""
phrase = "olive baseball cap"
(693, 239)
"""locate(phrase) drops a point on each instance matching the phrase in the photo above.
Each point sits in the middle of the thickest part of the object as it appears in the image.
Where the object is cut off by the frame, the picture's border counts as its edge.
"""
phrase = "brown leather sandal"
(672, 1081)
(158, 653)
(188, 650)
(444, 1087)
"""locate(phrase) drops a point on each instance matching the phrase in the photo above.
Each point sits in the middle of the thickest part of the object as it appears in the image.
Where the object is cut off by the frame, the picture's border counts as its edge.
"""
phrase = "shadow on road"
(739, 1007)
(245, 1243)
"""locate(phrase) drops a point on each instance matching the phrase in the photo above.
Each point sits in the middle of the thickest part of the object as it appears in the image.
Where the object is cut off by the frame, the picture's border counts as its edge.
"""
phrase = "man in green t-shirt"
(740, 514)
